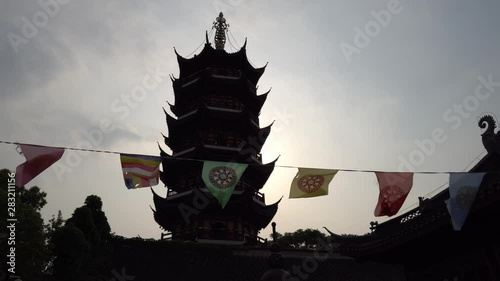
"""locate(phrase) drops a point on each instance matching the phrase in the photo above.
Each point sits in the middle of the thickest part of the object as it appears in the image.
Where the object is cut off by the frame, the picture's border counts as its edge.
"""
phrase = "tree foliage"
(301, 239)
(30, 240)
(70, 248)
(89, 229)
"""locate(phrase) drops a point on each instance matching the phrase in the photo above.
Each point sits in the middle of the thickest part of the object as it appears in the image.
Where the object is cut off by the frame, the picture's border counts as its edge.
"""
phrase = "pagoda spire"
(220, 26)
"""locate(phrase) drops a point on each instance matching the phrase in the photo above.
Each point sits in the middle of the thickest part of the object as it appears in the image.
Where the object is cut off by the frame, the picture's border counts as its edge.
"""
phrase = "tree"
(301, 239)
(94, 203)
(91, 260)
(70, 248)
(31, 250)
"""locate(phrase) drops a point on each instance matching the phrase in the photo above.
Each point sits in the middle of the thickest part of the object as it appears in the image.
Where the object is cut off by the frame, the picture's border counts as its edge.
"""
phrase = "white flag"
(463, 190)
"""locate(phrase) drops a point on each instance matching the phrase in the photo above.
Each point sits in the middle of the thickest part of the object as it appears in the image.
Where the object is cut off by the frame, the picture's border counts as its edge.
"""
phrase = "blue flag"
(463, 190)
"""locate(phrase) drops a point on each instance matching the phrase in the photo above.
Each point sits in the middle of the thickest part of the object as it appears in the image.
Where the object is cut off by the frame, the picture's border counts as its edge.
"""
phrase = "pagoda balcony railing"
(260, 241)
(234, 109)
(217, 73)
(166, 235)
(224, 73)
(193, 183)
(222, 147)
(210, 233)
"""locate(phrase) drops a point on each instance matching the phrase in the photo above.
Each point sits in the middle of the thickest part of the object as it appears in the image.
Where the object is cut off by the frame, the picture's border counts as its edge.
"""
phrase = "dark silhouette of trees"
(81, 247)
(30, 240)
(301, 239)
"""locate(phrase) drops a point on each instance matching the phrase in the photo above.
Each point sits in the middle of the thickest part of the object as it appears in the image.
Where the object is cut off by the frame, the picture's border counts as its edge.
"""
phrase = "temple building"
(216, 112)
(423, 240)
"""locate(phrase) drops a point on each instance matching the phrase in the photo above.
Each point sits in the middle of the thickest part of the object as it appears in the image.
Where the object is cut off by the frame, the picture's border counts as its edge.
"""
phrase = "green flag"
(221, 178)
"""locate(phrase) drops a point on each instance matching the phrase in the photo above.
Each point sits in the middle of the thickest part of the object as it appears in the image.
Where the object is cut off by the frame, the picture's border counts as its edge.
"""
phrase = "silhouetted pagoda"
(217, 110)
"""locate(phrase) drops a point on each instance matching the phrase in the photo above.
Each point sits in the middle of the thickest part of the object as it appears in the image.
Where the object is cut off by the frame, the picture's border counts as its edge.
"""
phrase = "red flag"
(38, 158)
(394, 187)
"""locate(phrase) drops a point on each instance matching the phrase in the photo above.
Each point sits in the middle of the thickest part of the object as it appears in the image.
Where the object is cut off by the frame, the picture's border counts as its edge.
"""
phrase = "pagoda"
(217, 119)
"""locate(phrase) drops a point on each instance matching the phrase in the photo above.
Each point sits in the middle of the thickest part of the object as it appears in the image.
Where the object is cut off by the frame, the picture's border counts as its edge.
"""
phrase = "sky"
(364, 85)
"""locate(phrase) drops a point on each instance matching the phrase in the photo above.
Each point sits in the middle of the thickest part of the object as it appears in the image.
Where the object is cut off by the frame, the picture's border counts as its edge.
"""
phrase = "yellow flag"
(311, 182)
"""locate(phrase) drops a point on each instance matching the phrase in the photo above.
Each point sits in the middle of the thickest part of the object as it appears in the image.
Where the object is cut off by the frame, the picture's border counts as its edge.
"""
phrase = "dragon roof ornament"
(491, 140)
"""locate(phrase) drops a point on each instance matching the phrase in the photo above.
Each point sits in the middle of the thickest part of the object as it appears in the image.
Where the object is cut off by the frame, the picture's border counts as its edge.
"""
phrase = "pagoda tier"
(222, 92)
(185, 174)
(246, 206)
(210, 58)
(215, 127)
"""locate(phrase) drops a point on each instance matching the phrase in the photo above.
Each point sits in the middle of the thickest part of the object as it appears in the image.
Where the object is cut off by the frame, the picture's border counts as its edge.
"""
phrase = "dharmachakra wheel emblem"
(465, 197)
(309, 184)
(391, 193)
(222, 177)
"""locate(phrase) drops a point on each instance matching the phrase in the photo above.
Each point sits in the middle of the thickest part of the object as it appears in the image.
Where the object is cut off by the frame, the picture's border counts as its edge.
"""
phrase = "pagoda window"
(210, 137)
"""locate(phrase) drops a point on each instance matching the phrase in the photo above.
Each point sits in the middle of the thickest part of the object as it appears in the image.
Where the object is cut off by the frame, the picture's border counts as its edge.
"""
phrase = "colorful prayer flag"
(311, 182)
(140, 170)
(38, 159)
(221, 178)
(463, 190)
(393, 190)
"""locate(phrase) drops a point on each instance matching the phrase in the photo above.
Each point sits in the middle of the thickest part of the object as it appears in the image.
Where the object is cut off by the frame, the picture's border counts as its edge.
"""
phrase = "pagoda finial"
(220, 26)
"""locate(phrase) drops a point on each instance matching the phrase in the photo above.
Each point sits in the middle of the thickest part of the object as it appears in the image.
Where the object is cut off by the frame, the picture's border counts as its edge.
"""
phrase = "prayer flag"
(311, 182)
(393, 190)
(38, 159)
(221, 178)
(140, 170)
(463, 190)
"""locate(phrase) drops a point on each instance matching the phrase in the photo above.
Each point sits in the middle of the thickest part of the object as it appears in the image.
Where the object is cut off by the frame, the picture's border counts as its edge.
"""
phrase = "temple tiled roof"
(430, 220)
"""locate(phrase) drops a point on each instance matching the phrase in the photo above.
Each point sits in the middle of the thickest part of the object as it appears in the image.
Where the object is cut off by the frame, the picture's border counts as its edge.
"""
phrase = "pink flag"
(38, 158)
(394, 187)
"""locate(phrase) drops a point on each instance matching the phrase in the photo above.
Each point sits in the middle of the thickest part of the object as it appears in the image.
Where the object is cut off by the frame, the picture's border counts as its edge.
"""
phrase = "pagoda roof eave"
(189, 66)
(168, 213)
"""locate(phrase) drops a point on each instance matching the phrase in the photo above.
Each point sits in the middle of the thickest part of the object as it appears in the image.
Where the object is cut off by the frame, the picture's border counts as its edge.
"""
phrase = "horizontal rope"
(199, 160)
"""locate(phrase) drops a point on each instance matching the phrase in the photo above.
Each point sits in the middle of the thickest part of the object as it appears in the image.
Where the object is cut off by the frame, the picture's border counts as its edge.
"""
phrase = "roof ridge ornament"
(220, 26)
(491, 140)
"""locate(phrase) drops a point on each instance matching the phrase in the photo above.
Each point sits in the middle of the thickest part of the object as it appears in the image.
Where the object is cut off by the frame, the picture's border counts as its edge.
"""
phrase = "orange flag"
(394, 188)
(38, 158)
